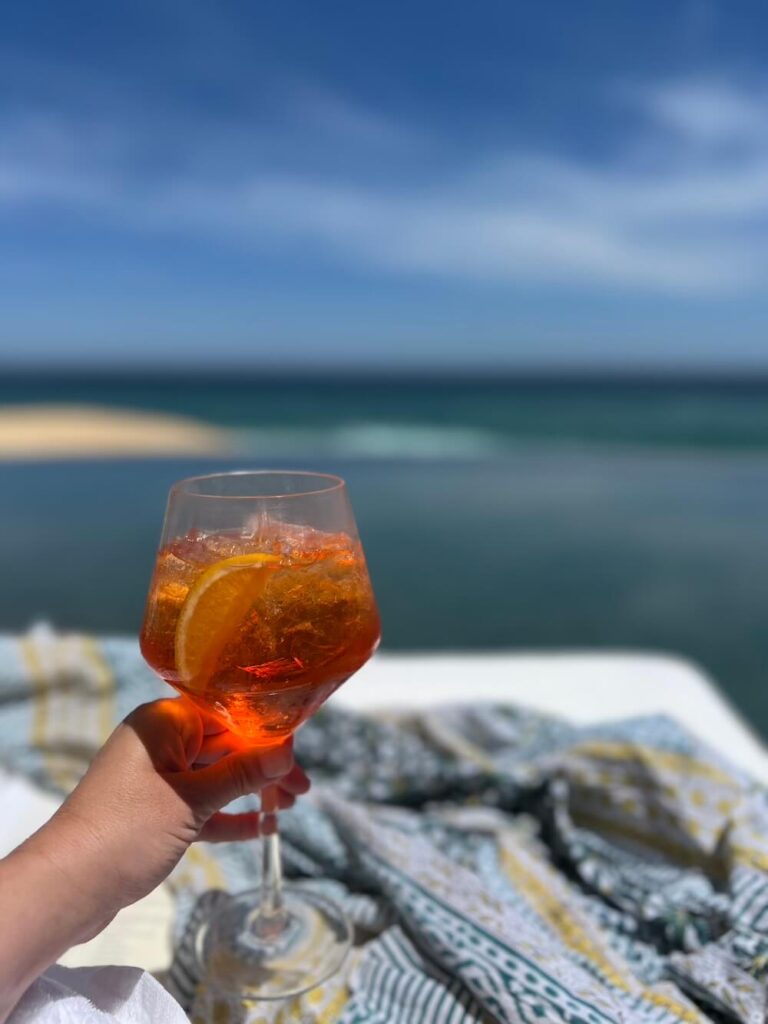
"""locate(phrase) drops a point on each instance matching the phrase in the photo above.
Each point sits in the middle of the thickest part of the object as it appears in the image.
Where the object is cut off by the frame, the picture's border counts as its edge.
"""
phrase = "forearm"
(48, 904)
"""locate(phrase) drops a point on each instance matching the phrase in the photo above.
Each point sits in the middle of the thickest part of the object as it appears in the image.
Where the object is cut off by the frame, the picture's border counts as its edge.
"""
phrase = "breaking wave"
(373, 440)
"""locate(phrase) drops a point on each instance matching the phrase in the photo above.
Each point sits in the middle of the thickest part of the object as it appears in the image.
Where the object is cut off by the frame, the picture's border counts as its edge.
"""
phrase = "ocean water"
(495, 514)
(412, 417)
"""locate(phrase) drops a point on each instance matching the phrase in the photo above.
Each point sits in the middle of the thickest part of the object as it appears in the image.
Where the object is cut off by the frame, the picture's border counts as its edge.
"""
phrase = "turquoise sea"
(496, 512)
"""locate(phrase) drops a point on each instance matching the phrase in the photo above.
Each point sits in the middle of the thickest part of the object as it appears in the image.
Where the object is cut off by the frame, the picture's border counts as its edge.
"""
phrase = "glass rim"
(333, 483)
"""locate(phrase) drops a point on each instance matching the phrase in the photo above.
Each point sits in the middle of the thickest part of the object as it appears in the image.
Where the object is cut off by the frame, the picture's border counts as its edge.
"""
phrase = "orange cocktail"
(260, 606)
(260, 626)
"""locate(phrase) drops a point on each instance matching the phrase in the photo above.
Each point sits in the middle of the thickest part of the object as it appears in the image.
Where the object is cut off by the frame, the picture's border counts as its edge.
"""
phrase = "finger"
(296, 781)
(171, 730)
(212, 725)
(208, 789)
(269, 799)
(227, 828)
(221, 742)
(216, 746)
(222, 827)
(273, 799)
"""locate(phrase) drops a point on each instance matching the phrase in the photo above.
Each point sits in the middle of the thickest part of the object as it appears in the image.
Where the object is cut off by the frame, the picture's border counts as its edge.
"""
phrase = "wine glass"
(260, 606)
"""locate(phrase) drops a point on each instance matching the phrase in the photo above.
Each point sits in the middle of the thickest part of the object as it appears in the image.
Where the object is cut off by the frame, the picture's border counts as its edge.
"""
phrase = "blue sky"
(499, 183)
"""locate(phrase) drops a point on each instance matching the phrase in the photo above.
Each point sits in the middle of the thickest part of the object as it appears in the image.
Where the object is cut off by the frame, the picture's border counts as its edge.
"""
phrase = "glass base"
(243, 956)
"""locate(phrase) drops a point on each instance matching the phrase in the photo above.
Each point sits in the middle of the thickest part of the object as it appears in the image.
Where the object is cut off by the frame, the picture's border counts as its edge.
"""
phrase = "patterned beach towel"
(498, 865)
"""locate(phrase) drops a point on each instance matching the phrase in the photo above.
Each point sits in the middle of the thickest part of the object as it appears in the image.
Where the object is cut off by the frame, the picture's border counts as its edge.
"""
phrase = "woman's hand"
(156, 786)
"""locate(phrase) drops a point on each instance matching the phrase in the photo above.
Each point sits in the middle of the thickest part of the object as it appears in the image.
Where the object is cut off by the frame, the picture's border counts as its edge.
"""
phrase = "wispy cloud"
(325, 110)
(709, 111)
(682, 206)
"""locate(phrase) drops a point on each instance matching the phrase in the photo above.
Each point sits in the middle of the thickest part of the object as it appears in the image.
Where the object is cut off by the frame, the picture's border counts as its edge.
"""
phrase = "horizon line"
(740, 373)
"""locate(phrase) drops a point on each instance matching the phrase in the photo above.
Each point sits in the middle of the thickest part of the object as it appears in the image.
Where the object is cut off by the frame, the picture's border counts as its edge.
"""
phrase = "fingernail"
(276, 763)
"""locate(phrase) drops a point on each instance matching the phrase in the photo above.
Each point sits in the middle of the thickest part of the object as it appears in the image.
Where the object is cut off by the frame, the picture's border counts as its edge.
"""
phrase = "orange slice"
(216, 604)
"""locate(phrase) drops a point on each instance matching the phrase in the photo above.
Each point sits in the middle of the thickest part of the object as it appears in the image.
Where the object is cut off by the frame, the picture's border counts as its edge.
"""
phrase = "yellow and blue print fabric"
(498, 865)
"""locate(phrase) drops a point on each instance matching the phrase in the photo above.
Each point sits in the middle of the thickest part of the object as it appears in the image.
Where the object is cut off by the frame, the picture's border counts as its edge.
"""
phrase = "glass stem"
(271, 918)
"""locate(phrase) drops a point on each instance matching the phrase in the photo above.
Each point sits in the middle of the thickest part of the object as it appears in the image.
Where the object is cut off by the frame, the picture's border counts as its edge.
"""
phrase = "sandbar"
(82, 431)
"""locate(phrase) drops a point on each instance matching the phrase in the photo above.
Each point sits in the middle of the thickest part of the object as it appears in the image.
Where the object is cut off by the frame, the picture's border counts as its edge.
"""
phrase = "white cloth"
(97, 995)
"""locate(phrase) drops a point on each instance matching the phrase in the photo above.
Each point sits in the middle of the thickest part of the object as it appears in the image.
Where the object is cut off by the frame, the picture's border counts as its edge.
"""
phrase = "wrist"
(73, 862)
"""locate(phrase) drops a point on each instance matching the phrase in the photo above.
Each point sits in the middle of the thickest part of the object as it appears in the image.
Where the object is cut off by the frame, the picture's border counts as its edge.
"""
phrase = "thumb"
(208, 789)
